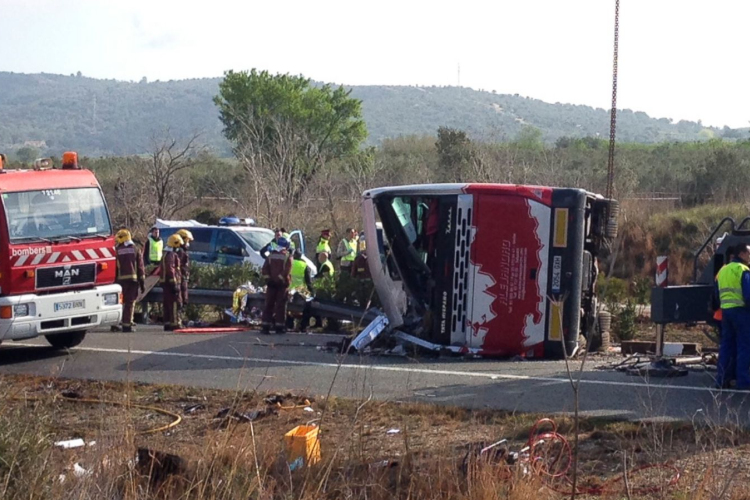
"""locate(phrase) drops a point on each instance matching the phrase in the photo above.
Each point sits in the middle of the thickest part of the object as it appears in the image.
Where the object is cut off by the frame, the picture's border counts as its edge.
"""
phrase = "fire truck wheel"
(65, 340)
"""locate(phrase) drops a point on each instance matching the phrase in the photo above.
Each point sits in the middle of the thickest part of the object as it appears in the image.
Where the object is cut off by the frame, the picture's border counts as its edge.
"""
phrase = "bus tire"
(611, 229)
(66, 340)
(613, 209)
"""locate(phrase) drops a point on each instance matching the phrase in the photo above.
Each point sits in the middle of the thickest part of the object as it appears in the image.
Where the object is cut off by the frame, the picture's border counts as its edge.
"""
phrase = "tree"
(284, 130)
(27, 154)
(169, 157)
(530, 138)
(455, 154)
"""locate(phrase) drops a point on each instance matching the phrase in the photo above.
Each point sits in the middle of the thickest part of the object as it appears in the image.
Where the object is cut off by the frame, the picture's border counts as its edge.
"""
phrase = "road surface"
(295, 362)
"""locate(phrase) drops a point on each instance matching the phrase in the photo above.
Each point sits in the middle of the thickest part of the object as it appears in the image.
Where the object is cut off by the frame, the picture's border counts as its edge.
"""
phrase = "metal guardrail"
(322, 308)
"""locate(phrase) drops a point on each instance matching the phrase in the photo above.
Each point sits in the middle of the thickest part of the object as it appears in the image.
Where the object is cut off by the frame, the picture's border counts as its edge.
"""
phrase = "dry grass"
(203, 459)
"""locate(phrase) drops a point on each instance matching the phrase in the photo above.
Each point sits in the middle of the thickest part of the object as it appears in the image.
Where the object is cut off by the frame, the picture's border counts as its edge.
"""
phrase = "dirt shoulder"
(230, 443)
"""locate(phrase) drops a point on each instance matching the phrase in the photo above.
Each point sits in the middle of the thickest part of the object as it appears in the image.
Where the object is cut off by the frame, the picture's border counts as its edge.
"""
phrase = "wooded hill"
(53, 113)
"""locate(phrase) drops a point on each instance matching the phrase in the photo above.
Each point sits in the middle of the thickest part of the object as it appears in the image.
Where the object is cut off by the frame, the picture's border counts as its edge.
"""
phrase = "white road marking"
(397, 369)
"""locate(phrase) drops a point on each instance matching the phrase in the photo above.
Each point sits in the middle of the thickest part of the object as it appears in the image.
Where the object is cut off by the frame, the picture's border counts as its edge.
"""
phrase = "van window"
(228, 243)
(202, 241)
(256, 239)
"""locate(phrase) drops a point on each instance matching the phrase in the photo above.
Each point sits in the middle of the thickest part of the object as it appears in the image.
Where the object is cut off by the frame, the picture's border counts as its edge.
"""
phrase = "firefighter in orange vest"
(170, 283)
(130, 275)
(187, 237)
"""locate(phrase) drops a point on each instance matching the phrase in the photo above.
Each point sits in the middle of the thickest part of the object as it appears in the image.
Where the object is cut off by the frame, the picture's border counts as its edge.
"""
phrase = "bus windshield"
(406, 222)
(55, 214)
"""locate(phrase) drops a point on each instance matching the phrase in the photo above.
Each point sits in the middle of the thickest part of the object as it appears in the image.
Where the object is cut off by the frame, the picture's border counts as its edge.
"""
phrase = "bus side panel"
(443, 269)
(510, 272)
(566, 271)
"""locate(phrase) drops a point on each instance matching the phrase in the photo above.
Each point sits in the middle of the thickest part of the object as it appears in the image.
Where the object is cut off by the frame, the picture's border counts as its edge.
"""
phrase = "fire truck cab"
(57, 257)
(491, 269)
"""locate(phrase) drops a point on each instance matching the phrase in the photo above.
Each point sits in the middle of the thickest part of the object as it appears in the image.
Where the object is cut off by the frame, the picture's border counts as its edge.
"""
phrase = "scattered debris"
(274, 399)
(71, 394)
(399, 350)
(158, 466)
(308, 409)
(194, 408)
(370, 333)
(80, 471)
(227, 416)
(302, 446)
(393, 431)
(71, 443)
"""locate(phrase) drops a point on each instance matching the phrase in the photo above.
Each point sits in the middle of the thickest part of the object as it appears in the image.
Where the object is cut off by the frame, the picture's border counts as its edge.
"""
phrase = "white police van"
(233, 241)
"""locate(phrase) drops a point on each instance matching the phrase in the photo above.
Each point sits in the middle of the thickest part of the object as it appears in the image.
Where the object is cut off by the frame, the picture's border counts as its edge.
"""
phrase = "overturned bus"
(490, 269)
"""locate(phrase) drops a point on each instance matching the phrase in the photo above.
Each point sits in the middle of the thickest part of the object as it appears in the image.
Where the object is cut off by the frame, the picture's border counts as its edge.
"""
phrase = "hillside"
(108, 117)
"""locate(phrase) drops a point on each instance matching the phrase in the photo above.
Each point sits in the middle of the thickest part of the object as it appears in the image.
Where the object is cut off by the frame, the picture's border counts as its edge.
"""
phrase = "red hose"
(227, 329)
(546, 469)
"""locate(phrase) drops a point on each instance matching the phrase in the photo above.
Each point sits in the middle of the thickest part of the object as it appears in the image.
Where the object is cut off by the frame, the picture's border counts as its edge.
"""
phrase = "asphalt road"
(294, 362)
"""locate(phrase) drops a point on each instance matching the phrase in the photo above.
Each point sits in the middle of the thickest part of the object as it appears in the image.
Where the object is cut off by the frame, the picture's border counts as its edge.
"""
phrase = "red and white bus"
(492, 269)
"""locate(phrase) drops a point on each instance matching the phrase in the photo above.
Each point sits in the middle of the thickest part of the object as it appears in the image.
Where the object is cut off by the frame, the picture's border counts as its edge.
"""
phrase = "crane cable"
(613, 114)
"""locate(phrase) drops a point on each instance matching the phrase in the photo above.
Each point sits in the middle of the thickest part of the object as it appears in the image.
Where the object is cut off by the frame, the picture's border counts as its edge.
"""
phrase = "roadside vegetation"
(229, 444)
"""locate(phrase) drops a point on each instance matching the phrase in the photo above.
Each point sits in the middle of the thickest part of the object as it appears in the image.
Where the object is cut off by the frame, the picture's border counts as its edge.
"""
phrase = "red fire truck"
(57, 262)
(491, 269)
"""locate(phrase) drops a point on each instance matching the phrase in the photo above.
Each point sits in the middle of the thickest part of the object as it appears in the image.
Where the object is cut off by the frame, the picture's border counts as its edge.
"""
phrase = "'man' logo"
(67, 274)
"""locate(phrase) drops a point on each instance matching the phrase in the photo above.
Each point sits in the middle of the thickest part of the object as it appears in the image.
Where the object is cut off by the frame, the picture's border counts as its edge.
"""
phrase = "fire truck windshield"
(56, 214)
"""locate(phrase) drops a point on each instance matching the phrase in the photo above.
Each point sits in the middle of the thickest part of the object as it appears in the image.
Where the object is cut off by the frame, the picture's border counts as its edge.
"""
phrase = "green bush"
(625, 320)
(613, 292)
(344, 288)
(218, 277)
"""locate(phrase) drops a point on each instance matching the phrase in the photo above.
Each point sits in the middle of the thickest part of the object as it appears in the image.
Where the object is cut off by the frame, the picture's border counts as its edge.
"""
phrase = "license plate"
(556, 273)
(70, 305)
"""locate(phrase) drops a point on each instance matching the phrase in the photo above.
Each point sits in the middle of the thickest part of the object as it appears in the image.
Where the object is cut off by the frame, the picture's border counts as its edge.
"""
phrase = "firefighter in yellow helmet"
(170, 282)
(130, 275)
(187, 237)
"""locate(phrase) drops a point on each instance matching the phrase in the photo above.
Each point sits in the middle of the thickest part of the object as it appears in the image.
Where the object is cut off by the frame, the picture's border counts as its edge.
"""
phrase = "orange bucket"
(302, 446)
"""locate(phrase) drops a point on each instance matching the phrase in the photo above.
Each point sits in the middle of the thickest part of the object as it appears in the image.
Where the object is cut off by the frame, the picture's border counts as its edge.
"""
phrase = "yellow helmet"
(185, 235)
(175, 241)
(122, 236)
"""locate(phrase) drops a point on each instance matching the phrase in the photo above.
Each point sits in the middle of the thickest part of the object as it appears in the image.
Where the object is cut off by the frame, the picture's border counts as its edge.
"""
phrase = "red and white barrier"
(662, 270)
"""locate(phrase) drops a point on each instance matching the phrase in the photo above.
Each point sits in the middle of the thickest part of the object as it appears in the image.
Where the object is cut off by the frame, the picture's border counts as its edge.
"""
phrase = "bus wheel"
(65, 340)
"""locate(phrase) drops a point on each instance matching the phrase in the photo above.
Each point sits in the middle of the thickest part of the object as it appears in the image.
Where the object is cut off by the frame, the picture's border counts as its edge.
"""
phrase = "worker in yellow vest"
(347, 251)
(154, 250)
(733, 289)
(324, 242)
(326, 266)
(301, 273)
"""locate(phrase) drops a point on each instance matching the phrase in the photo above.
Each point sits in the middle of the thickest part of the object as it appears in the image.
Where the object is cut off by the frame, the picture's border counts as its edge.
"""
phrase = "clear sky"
(681, 59)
